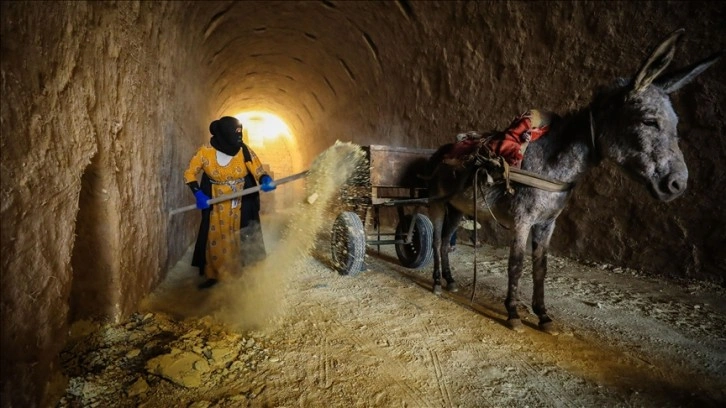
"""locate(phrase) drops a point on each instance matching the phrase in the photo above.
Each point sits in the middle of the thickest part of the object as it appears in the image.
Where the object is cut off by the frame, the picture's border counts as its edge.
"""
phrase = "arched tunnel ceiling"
(297, 59)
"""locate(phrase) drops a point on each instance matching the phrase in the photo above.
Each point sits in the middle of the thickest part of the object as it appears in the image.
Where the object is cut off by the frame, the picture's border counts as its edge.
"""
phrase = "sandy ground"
(292, 332)
(382, 339)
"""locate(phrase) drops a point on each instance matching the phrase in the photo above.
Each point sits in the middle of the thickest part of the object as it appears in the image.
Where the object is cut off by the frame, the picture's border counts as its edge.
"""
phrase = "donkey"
(631, 123)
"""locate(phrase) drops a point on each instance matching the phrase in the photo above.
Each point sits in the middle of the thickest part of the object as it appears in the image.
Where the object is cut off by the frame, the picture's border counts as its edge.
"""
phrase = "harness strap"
(538, 181)
(517, 175)
(507, 175)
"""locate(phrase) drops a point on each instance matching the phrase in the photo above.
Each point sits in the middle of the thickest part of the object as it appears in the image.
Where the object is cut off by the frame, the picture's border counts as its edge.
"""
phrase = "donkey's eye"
(651, 123)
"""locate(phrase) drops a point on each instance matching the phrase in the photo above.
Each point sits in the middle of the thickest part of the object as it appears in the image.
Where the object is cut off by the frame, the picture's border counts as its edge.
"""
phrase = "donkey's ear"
(656, 63)
(675, 80)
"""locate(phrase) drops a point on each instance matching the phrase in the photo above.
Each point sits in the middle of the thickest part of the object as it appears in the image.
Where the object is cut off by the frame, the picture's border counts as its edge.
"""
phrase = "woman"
(228, 166)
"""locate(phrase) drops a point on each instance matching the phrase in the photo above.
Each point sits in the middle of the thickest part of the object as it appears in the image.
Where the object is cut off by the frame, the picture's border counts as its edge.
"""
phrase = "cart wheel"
(419, 252)
(348, 243)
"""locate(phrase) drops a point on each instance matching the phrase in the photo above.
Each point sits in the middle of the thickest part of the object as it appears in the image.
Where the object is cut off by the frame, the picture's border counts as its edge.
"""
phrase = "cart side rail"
(395, 172)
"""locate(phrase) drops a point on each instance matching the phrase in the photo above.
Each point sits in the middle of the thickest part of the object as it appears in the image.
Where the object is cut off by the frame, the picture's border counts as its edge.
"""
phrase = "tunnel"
(104, 103)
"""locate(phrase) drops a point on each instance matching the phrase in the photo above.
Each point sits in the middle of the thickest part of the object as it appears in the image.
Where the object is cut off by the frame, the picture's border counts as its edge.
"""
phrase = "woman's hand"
(267, 184)
(201, 200)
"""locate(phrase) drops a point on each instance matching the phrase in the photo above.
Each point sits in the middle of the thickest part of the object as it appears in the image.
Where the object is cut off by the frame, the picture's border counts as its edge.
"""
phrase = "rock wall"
(103, 103)
(93, 104)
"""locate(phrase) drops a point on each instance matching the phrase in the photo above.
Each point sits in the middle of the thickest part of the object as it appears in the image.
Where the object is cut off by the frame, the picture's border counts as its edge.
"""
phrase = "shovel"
(240, 193)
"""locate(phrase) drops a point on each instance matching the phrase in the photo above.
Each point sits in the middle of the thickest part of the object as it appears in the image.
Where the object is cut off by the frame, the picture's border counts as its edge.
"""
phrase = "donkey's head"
(638, 126)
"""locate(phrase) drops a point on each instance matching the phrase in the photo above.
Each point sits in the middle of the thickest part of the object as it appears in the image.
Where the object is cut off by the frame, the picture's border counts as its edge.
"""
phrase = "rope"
(476, 238)
(509, 190)
(476, 222)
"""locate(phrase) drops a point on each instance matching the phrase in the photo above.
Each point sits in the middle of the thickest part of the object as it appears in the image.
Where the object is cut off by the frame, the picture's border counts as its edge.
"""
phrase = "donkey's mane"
(574, 125)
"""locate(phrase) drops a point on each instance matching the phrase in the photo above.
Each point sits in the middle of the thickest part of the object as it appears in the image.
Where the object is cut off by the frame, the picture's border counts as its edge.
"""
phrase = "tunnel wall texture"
(99, 92)
(103, 103)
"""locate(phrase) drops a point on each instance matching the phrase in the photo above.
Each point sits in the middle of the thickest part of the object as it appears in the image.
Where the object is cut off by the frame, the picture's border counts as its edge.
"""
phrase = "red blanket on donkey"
(509, 144)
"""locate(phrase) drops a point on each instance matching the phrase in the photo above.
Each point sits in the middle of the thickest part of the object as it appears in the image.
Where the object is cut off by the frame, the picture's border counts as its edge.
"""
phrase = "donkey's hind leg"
(451, 223)
(514, 269)
(541, 235)
(437, 213)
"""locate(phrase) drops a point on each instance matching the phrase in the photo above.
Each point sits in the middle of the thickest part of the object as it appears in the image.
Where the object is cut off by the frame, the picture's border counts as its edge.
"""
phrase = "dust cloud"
(254, 296)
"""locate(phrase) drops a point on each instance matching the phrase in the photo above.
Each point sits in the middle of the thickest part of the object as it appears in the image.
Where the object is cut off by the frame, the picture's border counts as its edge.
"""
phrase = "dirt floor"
(382, 339)
(292, 332)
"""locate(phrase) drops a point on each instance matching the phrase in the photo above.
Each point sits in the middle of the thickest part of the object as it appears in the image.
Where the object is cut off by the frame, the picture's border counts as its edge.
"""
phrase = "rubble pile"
(151, 360)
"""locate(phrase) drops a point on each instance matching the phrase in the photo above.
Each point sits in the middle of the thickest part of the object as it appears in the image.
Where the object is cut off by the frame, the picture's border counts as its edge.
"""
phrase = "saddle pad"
(509, 144)
(525, 128)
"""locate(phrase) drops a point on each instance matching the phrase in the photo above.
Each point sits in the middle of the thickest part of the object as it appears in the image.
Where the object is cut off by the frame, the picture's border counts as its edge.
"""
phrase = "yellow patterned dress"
(223, 242)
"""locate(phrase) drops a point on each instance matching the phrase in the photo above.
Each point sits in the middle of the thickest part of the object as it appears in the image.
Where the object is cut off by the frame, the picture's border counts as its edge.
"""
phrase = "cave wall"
(90, 92)
(103, 104)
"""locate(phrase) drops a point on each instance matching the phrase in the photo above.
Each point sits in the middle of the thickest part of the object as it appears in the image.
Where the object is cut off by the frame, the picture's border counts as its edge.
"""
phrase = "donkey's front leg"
(516, 261)
(541, 235)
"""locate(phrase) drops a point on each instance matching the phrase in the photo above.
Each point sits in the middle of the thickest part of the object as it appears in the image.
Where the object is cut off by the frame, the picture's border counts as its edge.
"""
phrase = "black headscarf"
(225, 136)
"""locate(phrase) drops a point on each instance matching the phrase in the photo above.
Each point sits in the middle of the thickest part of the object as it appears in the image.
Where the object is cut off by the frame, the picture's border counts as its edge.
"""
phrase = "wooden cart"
(392, 180)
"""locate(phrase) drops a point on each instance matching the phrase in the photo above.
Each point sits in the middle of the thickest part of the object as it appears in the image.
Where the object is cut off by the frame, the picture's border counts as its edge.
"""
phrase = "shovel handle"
(244, 192)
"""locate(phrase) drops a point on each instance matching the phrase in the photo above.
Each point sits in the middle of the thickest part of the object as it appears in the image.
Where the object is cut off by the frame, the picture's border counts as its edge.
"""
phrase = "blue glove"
(267, 184)
(201, 200)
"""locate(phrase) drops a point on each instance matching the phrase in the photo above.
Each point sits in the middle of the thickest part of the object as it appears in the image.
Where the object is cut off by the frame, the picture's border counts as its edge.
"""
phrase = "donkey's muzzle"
(672, 186)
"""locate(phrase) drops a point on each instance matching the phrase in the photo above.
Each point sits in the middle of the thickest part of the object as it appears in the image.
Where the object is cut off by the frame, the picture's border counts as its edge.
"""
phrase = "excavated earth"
(383, 339)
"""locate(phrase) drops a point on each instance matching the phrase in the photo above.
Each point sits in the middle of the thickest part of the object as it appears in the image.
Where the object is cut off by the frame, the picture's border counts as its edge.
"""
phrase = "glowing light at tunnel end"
(261, 127)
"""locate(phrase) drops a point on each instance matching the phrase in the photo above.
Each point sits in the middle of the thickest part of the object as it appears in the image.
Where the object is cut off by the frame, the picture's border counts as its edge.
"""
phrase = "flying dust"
(254, 296)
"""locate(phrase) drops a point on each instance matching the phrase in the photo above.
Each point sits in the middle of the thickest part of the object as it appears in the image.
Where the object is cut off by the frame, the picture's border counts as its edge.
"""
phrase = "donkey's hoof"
(452, 287)
(516, 325)
(437, 290)
(548, 327)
